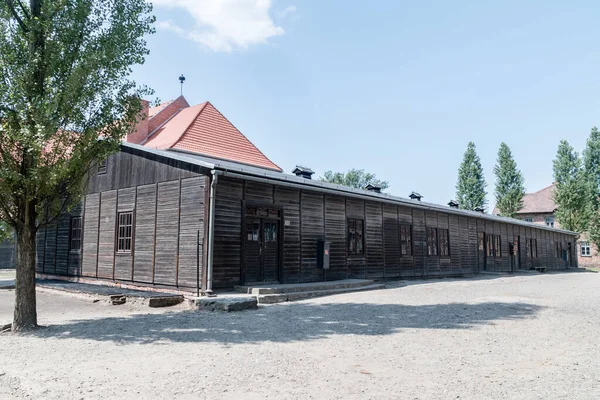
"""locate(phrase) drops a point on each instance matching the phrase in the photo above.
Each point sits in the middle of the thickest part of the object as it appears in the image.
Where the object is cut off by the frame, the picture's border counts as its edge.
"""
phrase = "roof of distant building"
(540, 202)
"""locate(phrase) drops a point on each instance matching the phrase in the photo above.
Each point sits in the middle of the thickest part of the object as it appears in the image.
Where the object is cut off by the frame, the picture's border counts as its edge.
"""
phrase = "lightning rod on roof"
(181, 80)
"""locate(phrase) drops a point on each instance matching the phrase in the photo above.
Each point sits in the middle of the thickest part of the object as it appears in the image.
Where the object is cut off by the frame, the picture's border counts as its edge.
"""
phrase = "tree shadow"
(287, 322)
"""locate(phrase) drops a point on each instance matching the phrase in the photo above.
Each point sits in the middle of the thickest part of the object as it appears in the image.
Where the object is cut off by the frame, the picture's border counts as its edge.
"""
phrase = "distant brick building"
(539, 208)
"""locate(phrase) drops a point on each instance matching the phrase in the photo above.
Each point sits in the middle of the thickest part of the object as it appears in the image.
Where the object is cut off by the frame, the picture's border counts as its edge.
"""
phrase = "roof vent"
(480, 209)
(415, 196)
(453, 204)
(372, 187)
(303, 172)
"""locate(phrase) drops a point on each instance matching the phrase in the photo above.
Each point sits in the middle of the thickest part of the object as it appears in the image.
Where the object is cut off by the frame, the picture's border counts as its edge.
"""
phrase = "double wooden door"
(261, 247)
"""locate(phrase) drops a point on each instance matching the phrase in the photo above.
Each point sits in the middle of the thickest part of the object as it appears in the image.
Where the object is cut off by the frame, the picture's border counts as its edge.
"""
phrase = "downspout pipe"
(211, 232)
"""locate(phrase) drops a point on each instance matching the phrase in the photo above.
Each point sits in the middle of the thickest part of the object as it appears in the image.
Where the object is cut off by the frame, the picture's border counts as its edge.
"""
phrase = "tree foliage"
(591, 166)
(572, 193)
(509, 183)
(470, 188)
(6, 231)
(64, 82)
(355, 178)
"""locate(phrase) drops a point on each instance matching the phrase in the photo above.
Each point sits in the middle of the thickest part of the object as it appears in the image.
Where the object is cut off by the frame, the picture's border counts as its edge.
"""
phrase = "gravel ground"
(517, 337)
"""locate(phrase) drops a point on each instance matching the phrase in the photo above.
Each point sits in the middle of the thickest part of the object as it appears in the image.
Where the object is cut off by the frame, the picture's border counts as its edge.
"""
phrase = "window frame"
(497, 246)
(102, 167)
(72, 229)
(549, 221)
(432, 247)
(528, 219)
(587, 246)
(490, 250)
(533, 248)
(408, 250)
(352, 237)
(124, 239)
(444, 244)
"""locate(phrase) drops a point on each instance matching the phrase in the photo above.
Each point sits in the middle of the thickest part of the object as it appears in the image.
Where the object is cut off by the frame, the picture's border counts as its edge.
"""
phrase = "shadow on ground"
(288, 322)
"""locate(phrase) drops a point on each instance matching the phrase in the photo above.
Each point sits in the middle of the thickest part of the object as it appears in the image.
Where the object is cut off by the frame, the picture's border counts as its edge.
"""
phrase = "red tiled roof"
(202, 129)
(540, 202)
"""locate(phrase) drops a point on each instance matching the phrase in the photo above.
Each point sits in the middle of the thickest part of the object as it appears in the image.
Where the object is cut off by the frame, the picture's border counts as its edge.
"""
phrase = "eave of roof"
(233, 169)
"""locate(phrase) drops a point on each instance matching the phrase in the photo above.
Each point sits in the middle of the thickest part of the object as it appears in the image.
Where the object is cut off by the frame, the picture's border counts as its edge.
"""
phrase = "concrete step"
(237, 303)
(302, 287)
(283, 297)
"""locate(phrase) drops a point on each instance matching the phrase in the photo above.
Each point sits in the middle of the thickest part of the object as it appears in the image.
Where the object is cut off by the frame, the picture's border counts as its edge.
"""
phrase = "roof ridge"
(542, 189)
(245, 137)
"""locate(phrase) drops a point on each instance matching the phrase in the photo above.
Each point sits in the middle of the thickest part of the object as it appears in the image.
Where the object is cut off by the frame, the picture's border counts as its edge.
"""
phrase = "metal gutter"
(211, 232)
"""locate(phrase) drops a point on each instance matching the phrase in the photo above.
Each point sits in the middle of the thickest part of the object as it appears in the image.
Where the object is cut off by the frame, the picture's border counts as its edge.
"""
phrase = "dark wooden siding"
(145, 220)
(124, 170)
(313, 229)
(391, 241)
(335, 233)
(228, 232)
(168, 202)
(289, 200)
(167, 216)
(106, 246)
(191, 218)
(374, 240)
(90, 235)
(167, 226)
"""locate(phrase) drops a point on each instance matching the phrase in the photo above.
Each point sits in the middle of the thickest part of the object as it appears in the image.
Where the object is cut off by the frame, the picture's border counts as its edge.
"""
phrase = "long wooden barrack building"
(174, 215)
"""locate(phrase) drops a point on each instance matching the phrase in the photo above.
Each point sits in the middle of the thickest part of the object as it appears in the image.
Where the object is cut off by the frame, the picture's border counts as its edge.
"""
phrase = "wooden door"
(270, 251)
(261, 247)
(481, 251)
(253, 250)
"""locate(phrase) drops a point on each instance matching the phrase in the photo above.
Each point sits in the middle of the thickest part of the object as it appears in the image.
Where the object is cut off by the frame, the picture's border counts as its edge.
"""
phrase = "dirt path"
(526, 337)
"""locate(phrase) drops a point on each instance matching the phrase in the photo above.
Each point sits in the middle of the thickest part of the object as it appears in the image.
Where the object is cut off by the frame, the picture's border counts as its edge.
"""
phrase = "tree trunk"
(25, 316)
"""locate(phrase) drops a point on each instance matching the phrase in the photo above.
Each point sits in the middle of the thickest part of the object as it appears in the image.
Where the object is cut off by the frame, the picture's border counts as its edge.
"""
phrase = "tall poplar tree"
(470, 188)
(64, 83)
(591, 165)
(572, 189)
(509, 183)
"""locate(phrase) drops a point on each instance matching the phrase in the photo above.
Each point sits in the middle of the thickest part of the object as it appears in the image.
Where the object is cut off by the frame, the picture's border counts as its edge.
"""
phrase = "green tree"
(572, 189)
(470, 189)
(509, 183)
(591, 166)
(5, 231)
(355, 178)
(66, 100)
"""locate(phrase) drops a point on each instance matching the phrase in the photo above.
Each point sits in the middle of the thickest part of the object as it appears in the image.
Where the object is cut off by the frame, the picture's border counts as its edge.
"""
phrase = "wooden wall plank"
(228, 232)
(335, 232)
(106, 246)
(90, 235)
(167, 214)
(312, 230)
(374, 240)
(289, 200)
(192, 221)
(391, 241)
(145, 218)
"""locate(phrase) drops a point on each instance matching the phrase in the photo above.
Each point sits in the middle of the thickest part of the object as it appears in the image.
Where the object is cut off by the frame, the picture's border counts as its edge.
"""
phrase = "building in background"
(539, 208)
(7, 254)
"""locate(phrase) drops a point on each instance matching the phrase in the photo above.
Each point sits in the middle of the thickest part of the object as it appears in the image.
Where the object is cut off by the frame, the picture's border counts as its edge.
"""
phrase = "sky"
(397, 88)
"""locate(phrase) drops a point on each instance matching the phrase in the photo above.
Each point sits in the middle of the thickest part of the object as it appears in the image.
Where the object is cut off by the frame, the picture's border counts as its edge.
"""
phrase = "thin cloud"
(225, 25)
